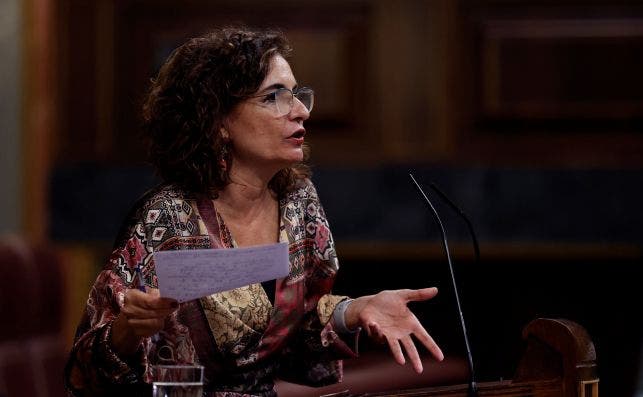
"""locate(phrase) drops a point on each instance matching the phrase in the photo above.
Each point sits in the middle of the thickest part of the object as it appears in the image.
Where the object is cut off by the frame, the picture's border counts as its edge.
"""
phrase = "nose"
(298, 111)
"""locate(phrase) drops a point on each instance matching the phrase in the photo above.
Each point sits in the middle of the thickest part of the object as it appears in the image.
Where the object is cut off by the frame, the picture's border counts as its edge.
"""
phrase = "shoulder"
(162, 193)
(163, 196)
(304, 190)
(305, 198)
(151, 206)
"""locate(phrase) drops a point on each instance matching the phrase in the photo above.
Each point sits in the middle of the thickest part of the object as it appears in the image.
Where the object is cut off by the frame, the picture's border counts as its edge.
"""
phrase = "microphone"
(473, 388)
(457, 209)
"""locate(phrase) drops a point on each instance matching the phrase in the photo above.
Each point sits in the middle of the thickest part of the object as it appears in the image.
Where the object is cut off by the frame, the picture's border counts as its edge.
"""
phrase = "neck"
(250, 209)
(246, 190)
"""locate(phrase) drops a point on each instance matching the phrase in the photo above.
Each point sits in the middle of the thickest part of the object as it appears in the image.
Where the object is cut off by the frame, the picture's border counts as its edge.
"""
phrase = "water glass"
(177, 381)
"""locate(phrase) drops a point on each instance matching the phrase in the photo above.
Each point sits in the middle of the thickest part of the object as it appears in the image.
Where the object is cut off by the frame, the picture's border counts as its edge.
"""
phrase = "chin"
(295, 157)
(288, 164)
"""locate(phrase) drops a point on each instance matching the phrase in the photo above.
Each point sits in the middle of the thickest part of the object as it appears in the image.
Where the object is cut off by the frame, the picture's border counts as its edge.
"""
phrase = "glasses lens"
(307, 97)
(284, 101)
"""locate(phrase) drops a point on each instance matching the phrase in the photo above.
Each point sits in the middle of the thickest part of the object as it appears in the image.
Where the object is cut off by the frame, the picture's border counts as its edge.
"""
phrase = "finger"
(135, 312)
(149, 301)
(375, 332)
(396, 350)
(152, 291)
(412, 353)
(158, 303)
(168, 302)
(371, 330)
(136, 305)
(155, 292)
(414, 295)
(423, 336)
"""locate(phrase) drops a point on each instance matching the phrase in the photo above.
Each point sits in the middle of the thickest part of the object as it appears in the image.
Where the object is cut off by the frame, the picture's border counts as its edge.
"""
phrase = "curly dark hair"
(196, 88)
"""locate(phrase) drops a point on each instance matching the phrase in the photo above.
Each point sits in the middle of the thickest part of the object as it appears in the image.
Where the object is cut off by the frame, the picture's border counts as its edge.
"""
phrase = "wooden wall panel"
(553, 84)
(40, 118)
(331, 50)
(382, 71)
(565, 68)
(469, 83)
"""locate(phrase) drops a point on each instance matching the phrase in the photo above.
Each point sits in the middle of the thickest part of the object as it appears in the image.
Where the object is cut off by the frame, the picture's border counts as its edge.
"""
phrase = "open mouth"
(298, 134)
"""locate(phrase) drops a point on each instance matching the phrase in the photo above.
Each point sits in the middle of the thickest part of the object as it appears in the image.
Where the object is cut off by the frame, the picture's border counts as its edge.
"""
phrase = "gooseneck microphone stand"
(473, 388)
(474, 240)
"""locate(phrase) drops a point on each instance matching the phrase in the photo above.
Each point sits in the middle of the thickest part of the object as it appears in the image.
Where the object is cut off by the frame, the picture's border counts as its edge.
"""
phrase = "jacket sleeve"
(93, 368)
(315, 355)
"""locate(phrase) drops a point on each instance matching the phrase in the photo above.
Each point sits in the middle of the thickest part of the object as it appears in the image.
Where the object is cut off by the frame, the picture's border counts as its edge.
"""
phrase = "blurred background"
(527, 113)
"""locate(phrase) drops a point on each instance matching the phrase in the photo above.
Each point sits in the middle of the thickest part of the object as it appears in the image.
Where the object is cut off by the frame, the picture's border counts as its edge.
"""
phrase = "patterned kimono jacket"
(242, 340)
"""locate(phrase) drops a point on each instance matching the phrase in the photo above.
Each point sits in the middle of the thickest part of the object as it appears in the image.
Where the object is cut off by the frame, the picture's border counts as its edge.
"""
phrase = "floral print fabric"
(243, 341)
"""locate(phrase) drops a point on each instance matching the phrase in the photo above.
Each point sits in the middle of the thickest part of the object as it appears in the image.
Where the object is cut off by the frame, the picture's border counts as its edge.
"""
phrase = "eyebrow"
(277, 86)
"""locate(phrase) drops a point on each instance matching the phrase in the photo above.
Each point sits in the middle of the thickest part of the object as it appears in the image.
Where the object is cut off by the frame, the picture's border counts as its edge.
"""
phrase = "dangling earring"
(223, 155)
(224, 150)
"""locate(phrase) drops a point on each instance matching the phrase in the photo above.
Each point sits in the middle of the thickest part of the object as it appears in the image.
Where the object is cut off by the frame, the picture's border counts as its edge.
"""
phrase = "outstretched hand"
(386, 318)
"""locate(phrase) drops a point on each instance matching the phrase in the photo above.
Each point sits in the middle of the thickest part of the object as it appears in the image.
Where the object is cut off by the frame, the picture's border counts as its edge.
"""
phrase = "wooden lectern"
(559, 361)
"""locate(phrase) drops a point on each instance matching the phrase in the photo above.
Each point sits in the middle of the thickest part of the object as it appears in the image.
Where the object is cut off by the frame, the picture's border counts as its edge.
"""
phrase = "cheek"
(271, 129)
(258, 130)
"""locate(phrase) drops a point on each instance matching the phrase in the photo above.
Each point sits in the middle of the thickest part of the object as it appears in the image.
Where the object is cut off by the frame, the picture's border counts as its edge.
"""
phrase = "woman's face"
(260, 137)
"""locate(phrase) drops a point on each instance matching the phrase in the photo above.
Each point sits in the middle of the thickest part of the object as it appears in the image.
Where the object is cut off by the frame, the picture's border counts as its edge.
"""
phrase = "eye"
(270, 97)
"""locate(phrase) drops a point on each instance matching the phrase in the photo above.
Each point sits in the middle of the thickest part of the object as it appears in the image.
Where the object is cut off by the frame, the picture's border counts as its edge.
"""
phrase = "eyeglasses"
(283, 98)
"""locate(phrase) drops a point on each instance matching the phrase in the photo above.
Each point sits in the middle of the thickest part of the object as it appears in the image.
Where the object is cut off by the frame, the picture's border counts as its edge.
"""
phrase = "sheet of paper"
(190, 274)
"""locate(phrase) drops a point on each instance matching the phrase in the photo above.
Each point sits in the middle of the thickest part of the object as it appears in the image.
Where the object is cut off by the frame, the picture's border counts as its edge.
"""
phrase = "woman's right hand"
(142, 315)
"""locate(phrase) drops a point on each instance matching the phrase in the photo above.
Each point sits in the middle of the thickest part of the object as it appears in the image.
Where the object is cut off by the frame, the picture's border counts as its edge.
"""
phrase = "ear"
(224, 133)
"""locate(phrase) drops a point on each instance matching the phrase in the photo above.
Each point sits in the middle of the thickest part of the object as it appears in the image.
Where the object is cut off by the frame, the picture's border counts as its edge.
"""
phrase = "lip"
(297, 137)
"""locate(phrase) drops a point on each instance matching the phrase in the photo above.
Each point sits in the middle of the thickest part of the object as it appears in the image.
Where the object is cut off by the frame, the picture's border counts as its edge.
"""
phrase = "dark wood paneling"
(537, 83)
(551, 84)
(78, 132)
(559, 69)
(329, 55)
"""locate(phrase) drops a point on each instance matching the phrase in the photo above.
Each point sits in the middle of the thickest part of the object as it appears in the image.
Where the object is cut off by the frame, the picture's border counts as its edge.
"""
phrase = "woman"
(225, 118)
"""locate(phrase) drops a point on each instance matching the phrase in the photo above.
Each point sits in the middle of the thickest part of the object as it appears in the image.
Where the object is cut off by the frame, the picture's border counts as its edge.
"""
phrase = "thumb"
(415, 295)
(153, 291)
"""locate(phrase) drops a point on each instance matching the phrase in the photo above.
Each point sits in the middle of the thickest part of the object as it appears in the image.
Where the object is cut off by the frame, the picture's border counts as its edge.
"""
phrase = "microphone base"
(472, 391)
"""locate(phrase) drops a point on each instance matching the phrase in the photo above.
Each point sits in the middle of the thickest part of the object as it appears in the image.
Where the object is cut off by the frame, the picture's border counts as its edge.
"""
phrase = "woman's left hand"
(386, 317)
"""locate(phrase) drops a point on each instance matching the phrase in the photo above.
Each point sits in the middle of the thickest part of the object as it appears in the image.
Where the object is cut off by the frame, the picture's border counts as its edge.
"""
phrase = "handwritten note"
(190, 274)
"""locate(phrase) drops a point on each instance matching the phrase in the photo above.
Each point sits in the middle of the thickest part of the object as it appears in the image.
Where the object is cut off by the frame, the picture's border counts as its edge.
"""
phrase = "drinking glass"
(177, 381)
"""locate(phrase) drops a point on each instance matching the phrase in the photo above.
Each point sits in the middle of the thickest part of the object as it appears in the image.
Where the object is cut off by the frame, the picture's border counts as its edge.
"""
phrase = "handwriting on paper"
(190, 274)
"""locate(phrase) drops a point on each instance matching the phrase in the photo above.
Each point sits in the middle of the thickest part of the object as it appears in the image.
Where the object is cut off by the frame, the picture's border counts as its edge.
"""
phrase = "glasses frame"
(293, 94)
